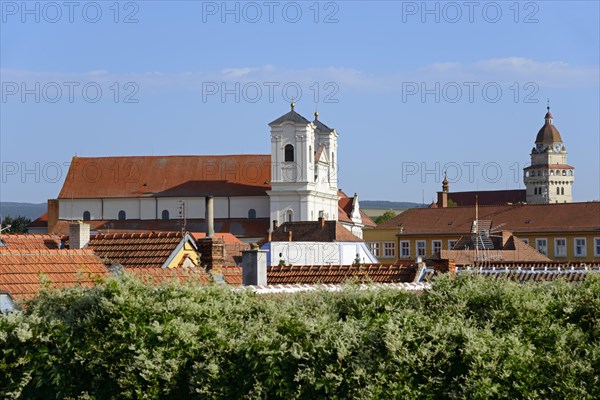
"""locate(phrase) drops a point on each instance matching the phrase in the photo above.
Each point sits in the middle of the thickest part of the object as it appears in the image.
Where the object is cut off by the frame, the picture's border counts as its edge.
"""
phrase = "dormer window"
(289, 153)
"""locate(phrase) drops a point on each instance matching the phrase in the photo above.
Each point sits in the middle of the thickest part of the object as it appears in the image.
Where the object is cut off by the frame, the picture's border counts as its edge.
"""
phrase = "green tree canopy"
(17, 225)
(386, 216)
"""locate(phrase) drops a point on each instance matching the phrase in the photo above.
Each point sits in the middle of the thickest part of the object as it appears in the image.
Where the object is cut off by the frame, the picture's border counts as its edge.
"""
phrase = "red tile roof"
(39, 222)
(378, 273)
(232, 275)
(488, 197)
(225, 237)
(103, 177)
(29, 242)
(22, 273)
(135, 250)
(241, 227)
(561, 217)
(345, 211)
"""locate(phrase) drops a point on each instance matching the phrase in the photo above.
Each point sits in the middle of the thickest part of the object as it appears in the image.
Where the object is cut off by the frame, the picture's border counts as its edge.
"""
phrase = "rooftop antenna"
(182, 215)
(477, 228)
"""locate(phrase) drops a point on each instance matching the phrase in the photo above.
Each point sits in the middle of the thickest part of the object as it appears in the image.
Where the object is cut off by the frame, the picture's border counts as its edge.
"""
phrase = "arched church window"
(564, 173)
(252, 213)
(289, 215)
(570, 173)
(122, 215)
(562, 190)
(557, 190)
(87, 216)
(165, 215)
(551, 172)
(289, 153)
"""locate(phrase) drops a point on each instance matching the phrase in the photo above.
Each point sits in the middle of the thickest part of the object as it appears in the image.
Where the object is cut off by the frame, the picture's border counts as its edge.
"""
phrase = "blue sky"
(413, 88)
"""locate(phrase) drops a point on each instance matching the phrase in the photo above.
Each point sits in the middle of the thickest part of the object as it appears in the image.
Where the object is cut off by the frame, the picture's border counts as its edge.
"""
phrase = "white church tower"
(304, 173)
(549, 179)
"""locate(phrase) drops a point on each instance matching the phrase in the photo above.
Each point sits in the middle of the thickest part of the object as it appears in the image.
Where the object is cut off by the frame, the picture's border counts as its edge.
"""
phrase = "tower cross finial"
(548, 105)
(293, 104)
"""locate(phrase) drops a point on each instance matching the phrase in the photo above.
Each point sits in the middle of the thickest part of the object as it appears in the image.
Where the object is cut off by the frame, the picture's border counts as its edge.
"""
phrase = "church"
(251, 194)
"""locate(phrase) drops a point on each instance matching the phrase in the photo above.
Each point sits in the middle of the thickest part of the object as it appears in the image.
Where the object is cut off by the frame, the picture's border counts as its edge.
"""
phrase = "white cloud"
(546, 74)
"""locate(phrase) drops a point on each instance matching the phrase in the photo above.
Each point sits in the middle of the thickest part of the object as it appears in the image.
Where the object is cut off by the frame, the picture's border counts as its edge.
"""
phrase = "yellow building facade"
(562, 232)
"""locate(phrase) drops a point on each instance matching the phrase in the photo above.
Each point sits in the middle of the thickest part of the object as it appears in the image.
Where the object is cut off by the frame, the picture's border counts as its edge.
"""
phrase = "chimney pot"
(254, 267)
(79, 235)
(209, 216)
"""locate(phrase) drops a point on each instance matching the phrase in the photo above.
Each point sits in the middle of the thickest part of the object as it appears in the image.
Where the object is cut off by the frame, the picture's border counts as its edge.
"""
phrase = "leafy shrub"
(465, 338)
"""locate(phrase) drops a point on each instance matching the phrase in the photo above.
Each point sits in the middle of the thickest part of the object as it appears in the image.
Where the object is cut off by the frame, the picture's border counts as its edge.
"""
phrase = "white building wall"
(113, 206)
(318, 253)
(73, 209)
(241, 205)
(148, 209)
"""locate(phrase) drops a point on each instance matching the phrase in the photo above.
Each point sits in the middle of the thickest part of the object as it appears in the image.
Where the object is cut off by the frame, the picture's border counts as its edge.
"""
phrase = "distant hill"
(388, 205)
(29, 210)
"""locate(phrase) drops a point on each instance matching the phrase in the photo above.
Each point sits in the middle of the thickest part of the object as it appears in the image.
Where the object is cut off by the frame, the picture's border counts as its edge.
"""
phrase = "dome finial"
(548, 116)
(293, 104)
(445, 183)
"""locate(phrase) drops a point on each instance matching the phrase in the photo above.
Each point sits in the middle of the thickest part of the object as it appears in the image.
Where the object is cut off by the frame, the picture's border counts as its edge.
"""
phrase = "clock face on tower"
(557, 147)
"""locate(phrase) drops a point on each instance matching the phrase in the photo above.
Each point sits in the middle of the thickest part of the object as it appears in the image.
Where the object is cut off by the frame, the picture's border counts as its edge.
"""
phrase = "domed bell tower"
(549, 179)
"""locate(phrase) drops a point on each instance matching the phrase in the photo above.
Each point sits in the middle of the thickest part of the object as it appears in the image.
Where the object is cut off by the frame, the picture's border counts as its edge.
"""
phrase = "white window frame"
(452, 243)
(418, 252)
(597, 247)
(556, 253)
(374, 248)
(537, 245)
(389, 249)
(402, 248)
(433, 246)
(584, 253)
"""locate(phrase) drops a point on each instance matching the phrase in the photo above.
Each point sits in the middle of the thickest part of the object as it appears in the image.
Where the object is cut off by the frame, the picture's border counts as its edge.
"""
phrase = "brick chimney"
(442, 199)
(321, 219)
(254, 266)
(79, 235)
(53, 213)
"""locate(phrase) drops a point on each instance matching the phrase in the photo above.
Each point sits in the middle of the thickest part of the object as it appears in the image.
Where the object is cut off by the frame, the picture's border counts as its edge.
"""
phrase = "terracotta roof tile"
(164, 175)
(488, 197)
(242, 227)
(29, 242)
(378, 273)
(135, 250)
(565, 217)
(21, 271)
